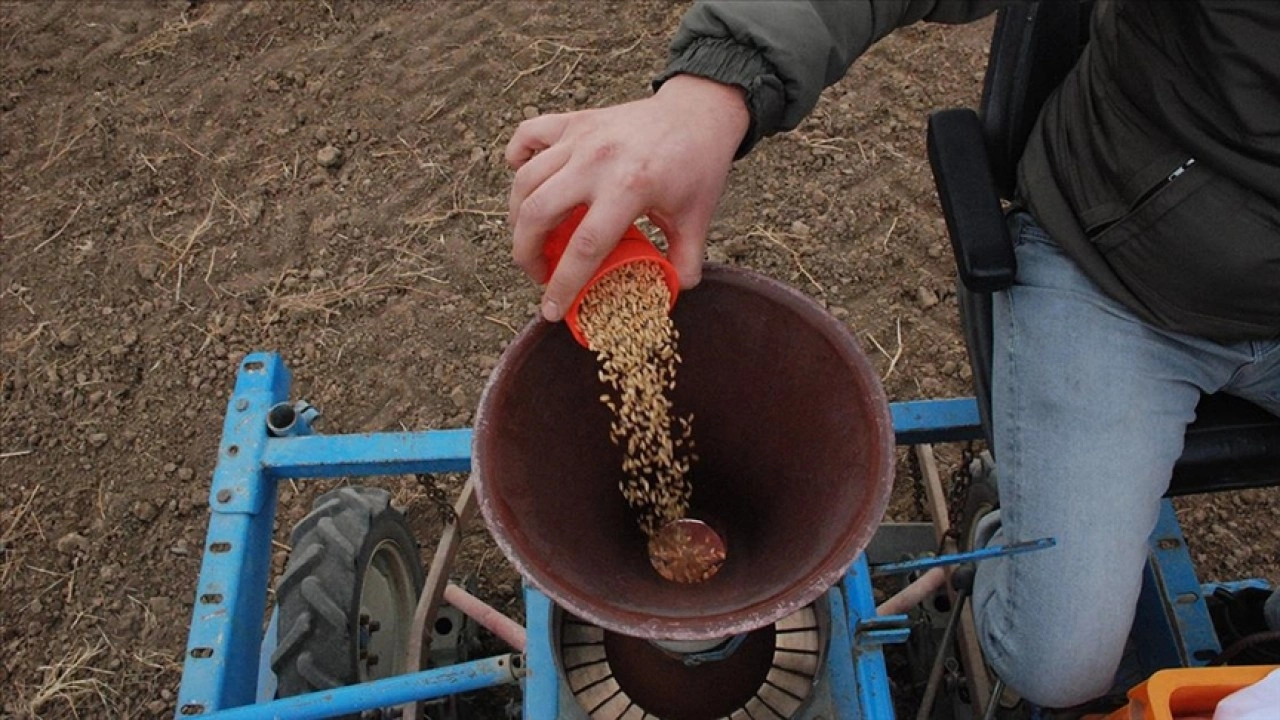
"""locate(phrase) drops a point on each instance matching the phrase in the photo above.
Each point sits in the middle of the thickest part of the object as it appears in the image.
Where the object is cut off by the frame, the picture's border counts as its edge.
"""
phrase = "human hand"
(666, 157)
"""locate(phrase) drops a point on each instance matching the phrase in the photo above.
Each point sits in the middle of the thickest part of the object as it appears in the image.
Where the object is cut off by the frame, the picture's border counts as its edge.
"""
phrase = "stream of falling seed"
(624, 319)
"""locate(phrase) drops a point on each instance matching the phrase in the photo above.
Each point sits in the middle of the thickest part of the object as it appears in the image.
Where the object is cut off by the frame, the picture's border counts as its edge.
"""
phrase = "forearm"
(784, 53)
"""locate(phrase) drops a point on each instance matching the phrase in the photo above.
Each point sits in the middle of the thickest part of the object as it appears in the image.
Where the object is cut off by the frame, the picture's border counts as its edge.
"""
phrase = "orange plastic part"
(634, 246)
(1183, 692)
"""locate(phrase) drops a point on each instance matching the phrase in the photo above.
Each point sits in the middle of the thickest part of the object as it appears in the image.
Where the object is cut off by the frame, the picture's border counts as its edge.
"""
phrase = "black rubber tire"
(319, 593)
(982, 498)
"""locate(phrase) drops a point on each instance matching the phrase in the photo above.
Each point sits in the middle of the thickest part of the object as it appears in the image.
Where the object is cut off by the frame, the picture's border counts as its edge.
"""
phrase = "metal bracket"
(884, 630)
(719, 652)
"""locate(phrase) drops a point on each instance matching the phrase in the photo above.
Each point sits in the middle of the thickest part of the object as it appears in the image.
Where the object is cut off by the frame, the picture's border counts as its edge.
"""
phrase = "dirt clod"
(329, 157)
(926, 297)
(69, 338)
(145, 510)
(72, 543)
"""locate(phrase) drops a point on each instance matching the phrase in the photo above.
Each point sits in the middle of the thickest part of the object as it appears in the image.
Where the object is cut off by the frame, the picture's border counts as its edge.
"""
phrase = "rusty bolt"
(224, 496)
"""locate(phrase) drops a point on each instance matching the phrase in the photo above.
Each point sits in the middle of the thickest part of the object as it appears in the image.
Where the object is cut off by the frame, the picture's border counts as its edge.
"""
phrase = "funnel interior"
(795, 445)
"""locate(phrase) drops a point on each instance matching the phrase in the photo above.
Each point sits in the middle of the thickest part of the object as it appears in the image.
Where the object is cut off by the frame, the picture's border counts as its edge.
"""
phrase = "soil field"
(184, 182)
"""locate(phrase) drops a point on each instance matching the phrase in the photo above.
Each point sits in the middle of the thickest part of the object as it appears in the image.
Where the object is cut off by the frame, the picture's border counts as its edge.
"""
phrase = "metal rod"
(994, 702)
(411, 688)
(967, 634)
(986, 553)
(507, 630)
(913, 594)
(424, 615)
(935, 672)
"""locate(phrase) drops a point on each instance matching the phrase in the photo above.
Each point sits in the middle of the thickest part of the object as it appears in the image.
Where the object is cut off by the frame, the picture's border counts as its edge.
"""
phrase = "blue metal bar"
(385, 693)
(936, 421)
(266, 676)
(986, 553)
(868, 658)
(542, 678)
(1172, 627)
(327, 456)
(221, 663)
(845, 697)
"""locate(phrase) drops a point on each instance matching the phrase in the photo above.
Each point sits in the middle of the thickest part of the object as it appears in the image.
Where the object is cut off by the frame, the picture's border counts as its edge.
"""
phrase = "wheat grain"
(624, 319)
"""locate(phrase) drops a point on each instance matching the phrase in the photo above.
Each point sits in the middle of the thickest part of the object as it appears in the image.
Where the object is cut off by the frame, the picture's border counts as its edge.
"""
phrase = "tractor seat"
(1232, 444)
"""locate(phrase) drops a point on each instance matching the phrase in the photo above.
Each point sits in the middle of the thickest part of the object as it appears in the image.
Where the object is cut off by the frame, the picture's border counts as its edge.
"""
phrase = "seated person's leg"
(1089, 409)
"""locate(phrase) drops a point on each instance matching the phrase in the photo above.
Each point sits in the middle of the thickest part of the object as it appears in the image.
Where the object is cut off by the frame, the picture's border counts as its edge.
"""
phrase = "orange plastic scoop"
(632, 247)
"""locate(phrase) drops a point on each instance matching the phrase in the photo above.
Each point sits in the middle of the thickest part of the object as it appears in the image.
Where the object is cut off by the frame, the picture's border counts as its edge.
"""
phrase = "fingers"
(595, 237)
(533, 136)
(532, 174)
(538, 213)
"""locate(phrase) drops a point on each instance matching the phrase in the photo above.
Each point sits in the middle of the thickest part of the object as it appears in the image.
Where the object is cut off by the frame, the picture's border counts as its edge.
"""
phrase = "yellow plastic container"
(1180, 692)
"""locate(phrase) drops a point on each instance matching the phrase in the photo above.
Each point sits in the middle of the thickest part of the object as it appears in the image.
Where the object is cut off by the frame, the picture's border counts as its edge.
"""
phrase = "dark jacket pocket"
(1203, 254)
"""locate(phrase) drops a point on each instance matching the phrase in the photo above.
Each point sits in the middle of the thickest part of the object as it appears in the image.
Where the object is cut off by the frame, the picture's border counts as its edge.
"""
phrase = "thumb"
(686, 240)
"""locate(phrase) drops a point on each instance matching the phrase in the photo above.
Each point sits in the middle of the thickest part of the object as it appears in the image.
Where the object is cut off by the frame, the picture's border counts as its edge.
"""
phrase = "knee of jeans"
(1053, 684)
(1047, 668)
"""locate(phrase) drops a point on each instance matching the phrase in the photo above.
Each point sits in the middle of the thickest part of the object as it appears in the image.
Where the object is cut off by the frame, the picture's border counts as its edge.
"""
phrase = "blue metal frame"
(1172, 627)
(936, 421)
(870, 633)
(388, 692)
(221, 666)
(542, 683)
(225, 646)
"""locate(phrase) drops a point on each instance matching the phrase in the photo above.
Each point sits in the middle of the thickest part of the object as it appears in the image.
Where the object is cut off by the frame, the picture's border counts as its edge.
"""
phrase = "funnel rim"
(608, 613)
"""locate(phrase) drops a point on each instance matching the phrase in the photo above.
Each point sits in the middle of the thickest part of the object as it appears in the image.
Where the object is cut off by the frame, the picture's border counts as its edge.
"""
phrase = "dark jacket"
(1156, 164)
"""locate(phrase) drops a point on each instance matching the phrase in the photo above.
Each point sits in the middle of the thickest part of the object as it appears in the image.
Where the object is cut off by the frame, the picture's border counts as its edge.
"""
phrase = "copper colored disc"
(686, 551)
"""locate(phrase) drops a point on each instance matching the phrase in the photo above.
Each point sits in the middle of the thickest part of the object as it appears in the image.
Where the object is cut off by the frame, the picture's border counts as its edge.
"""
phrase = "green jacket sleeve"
(783, 53)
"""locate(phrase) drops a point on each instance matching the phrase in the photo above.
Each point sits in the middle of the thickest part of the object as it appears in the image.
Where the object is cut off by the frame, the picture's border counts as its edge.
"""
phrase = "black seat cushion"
(1232, 444)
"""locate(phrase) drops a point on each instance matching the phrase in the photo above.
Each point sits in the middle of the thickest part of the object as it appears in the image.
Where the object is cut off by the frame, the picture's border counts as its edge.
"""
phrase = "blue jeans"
(1089, 408)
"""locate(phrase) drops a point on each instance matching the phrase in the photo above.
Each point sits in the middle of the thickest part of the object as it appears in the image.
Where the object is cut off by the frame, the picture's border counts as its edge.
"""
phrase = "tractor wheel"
(347, 595)
(980, 499)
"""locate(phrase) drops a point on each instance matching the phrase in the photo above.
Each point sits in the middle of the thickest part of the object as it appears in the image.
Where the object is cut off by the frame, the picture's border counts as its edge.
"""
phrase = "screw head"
(242, 405)
(224, 496)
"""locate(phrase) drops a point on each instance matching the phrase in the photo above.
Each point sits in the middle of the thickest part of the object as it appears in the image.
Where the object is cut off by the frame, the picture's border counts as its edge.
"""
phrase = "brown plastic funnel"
(796, 459)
